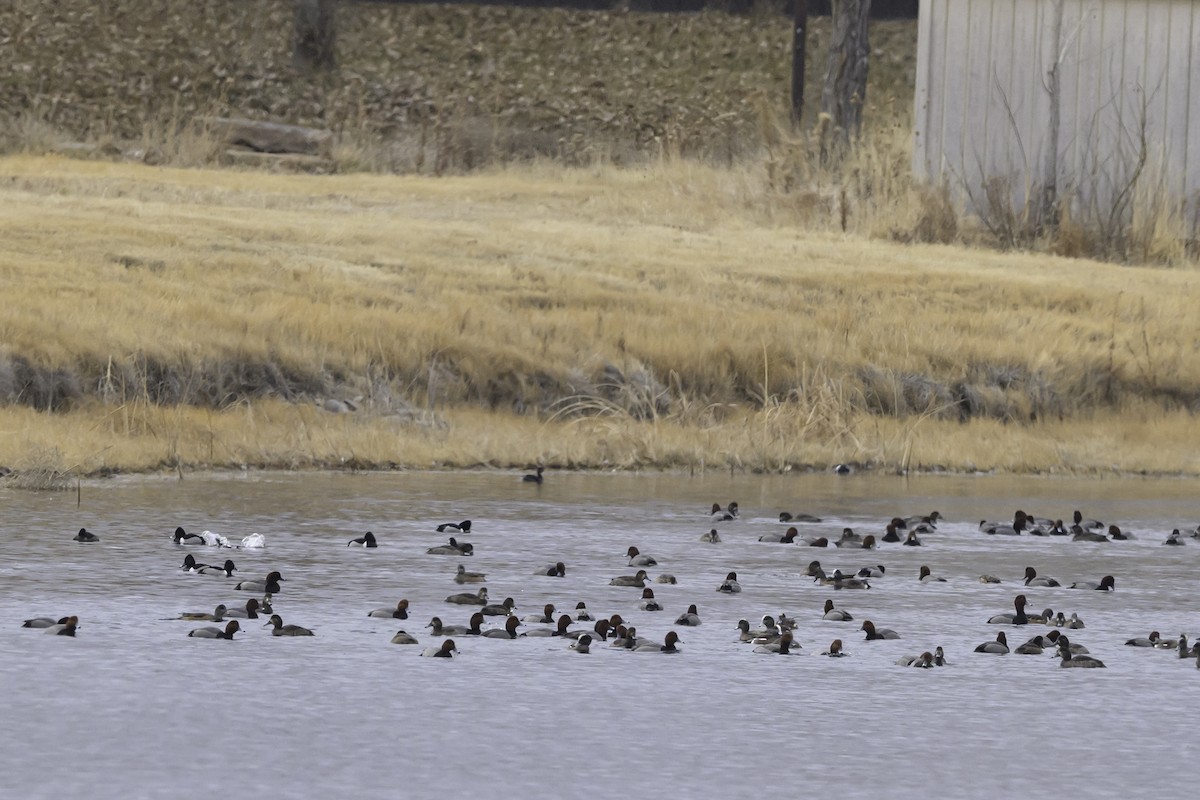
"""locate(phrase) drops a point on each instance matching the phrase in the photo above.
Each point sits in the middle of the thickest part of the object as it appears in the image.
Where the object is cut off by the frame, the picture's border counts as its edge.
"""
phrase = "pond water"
(133, 707)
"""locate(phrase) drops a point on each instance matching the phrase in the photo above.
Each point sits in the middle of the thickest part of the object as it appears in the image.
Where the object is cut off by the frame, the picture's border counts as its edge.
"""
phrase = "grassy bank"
(601, 317)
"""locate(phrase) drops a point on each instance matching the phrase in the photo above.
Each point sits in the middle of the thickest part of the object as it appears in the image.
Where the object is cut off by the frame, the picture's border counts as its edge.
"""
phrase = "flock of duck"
(582, 630)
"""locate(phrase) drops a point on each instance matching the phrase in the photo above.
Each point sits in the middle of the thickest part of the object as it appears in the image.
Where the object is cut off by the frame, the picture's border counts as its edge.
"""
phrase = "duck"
(248, 611)
(509, 631)
(581, 645)
(787, 623)
(769, 630)
(65, 628)
(1072, 623)
(727, 514)
(582, 614)
(183, 537)
(44, 622)
(452, 548)
(1070, 659)
(787, 537)
(988, 579)
(668, 645)
(560, 629)
(1018, 617)
(637, 581)
(502, 609)
(998, 647)
(785, 516)
(269, 585)
(835, 649)
(848, 539)
(1079, 534)
(1115, 534)
(216, 633)
(1015, 528)
(782, 646)
(836, 614)
(599, 631)
(190, 564)
(840, 581)
(868, 542)
(911, 540)
(874, 633)
(891, 535)
(928, 521)
(399, 612)
(545, 618)
(85, 535)
(648, 602)
(623, 638)
(1145, 641)
(712, 537)
(923, 661)
(877, 571)
(1183, 646)
(279, 629)
(1086, 524)
(366, 540)
(814, 569)
(1032, 579)
(730, 585)
(939, 657)
(744, 632)
(536, 477)
(689, 618)
(447, 650)
(1174, 539)
(438, 629)
(217, 615)
(468, 599)
(926, 576)
(1034, 647)
(818, 542)
(1106, 584)
(666, 578)
(1044, 618)
(1053, 637)
(462, 576)
(639, 559)
(461, 527)
(227, 569)
(404, 637)
(556, 570)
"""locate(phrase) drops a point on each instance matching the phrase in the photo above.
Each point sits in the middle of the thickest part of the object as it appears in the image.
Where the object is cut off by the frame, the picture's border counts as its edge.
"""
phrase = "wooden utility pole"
(845, 89)
(799, 47)
(315, 36)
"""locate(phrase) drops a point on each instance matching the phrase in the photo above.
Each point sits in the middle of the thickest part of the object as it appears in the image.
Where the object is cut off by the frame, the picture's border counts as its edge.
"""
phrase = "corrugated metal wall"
(1125, 68)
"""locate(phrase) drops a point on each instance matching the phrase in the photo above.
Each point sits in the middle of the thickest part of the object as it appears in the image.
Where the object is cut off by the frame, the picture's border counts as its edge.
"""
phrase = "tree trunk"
(845, 89)
(315, 36)
(799, 52)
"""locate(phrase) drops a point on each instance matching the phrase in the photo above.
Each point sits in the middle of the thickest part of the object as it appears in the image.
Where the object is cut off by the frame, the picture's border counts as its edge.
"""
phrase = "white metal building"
(1021, 90)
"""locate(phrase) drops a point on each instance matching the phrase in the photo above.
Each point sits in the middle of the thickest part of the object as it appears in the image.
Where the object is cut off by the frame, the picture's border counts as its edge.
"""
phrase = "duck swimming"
(462, 576)
(835, 649)
(1032, 579)
(1106, 584)
(555, 570)
(564, 622)
(639, 559)
(874, 634)
(44, 622)
(279, 629)
(787, 537)
(926, 576)
(726, 514)
(1017, 618)
(399, 612)
(582, 645)
(447, 650)
(536, 477)
(453, 548)
(248, 611)
(85, 535)
(836, 615)
(468, 599)
(217, 615)
(582, 614)
(270, 585)
(183, 537)
(545, 618)
(462, 527)
(668, 645)
(216, 633)
(648, 602)
(1070, 659)
(730, 585)
(998, 647)
(403, 637)
(637, 581)
(784, 516)
(502, 609)
(227, 569)
(689, 618)
(509, 631)
(780, 647)
(712, 537)
(1174, 538)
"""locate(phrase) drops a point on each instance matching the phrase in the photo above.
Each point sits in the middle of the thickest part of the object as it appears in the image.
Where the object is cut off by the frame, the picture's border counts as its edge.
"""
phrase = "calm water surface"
(133, 708)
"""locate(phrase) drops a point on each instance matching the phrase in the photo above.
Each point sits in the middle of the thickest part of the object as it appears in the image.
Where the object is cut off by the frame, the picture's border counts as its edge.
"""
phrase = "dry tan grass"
(676, 305)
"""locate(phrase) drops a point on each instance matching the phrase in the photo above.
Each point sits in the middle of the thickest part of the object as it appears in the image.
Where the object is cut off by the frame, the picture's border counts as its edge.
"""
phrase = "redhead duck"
(1152, 640)
(1032, 579)
(726, 514)
(835, 614)
(453, 548)
(556, 570)
(877, 571)
(919, 521)
(1070, 659)
(366, 540)
(1086, 524)
(1016, 528)
(912, 540)
(624, 638)
(813, 569)
(819, 542)
(462, 527)
(44, 622)
(712, 537)
(66, 628)
(730, 585)
(582, 645)
(248, 611)
(270, 585)
(781, 647)
(784, 516)
(689, 618)
(582, 614)
(637, 581)
(1106, 584)
(447, 650)
(787, 537)
(468, 599)
(502, 609)
(227, 569)
(217, 615)
(600, 630)
(183, 537)
(668, 645)
(216, 633)
(279, 629)
(85, 535)
(560, 629)
(1079, 534)
(1117, 535)
(1034, 647)
(868, 542)
(923, 661)
(1053, 636)
(891, 535)
(998, 647)
(403, 637)
(639, 559)
(473, 629)
(462, 576)
(648, 602)
(926, 576)
(835, 649)
(399, 612)
(509, 631)
(848, 539)
(874, 634)
(1174, 538)
(536, 477)
(545, 618)
(1017, 618)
